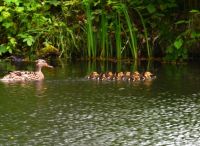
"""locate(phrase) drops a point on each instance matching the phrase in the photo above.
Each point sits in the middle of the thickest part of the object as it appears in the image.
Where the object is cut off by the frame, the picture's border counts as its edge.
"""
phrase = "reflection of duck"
(27, 75)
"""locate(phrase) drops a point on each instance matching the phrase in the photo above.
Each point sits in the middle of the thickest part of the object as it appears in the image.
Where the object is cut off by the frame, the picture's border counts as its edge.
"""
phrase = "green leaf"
(151, 8)
(7, 24)
(56, 2)
(29, 40)
(1, 19)
(8, 49)
(194, 11)
(169, 49)
(178, 43)
(5, 14)
(3, 49)
(12, 41)
(22, 35)
(194, 34)
(182, 22)
(19, 9)
(1, 8)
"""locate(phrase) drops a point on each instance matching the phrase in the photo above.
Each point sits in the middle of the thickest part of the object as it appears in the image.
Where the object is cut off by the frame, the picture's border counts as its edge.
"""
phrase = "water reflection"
(38, 85)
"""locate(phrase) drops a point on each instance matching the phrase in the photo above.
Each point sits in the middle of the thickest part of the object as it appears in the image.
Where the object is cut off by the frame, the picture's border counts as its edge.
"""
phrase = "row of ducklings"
(130, 76)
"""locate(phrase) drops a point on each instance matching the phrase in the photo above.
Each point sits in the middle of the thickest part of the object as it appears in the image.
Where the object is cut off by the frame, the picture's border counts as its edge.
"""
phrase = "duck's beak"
(49, 66)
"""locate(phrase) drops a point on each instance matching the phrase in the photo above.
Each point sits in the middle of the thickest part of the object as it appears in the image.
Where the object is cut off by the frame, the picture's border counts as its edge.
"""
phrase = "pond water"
(67, 109)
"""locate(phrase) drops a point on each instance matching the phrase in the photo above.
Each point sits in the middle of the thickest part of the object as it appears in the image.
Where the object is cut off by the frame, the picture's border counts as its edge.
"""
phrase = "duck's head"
(42, 63)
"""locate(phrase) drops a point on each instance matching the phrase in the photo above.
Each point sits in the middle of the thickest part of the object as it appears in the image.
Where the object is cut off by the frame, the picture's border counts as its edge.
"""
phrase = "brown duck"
(27, 75)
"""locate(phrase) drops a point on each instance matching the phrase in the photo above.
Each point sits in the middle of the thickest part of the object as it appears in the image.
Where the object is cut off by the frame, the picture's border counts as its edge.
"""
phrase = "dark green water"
(67, 109)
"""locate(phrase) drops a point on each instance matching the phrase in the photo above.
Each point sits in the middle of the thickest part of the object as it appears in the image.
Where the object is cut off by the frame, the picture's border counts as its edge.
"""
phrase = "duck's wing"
(18, 75)
(12, 75)
(29, 75)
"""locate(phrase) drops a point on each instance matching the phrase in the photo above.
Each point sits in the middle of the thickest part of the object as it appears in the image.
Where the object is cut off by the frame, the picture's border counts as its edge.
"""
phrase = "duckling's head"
(136, 73)
(148, 75)
(94, 73)
(110, 73)
(120, 75)
(128, 73)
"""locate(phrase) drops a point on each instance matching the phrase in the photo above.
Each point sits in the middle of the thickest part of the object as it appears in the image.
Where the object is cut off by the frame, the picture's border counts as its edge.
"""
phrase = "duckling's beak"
(153, 76)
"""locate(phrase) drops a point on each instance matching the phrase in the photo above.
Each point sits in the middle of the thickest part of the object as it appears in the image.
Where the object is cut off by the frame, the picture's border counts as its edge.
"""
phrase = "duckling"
(94, 75)
(135, 76)
(126, 76)
(109, 75)
(148, 76)
(27, 75)
(128, 73)
(119, 76)
(102, 77)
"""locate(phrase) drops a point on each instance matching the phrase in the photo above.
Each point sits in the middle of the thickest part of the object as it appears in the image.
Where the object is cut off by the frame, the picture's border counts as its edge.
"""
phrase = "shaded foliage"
(100, 29)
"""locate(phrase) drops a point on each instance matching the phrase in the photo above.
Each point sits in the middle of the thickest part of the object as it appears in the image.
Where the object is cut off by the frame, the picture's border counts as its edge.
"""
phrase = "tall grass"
(149, 50)
(118, 36)
(132, 33)
(90, 37)
(104, 36)
(108, 37)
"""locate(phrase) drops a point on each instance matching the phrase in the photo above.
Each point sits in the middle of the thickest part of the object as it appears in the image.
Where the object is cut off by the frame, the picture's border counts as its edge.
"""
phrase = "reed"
(91, 66)
(119, 66)
(149, 49)
(104, 36)
(132, 33)
(90, 37)
(134, 66)
(118, 36)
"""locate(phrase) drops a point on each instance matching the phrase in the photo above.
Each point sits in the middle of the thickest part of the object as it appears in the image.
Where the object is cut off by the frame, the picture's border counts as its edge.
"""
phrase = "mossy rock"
(48, 51)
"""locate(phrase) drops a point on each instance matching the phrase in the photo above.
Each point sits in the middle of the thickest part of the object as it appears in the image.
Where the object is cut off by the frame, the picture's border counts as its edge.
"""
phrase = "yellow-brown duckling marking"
(119, 76)
(15, 76)
(127, 74)
(109, 75)
(135, 76)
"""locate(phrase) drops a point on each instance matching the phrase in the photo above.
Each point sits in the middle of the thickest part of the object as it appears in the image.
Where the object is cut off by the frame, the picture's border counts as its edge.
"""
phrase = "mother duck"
(27, 75)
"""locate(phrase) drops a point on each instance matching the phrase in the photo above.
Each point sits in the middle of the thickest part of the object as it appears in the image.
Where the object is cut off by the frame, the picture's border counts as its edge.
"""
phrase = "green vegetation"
(112, 29)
